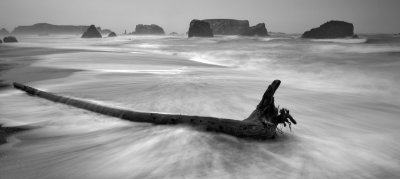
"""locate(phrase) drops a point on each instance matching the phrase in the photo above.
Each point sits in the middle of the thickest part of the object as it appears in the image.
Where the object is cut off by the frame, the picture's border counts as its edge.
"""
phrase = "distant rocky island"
(331, 29)
(50, 29)
(236, 27)
(199, 28)
(152, 29)
(91, 32)
(228, 26)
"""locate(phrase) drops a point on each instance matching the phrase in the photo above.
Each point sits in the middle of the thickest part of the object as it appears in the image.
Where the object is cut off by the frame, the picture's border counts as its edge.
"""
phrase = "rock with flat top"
(199, 28)
(228, 26)
(149, 30)
(331, 29)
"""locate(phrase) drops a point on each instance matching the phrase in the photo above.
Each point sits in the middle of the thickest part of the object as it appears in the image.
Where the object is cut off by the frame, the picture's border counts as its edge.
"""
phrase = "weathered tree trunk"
(261, 124)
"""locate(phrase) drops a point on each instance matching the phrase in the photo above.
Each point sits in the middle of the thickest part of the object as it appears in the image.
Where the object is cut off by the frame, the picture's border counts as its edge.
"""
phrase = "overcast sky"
(290, 16)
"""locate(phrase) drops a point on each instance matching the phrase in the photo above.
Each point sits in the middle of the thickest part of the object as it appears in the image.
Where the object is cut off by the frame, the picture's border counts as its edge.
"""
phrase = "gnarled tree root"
(261, 124)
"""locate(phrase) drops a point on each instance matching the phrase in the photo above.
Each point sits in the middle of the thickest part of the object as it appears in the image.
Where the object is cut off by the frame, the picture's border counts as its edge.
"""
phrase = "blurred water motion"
(345, 97)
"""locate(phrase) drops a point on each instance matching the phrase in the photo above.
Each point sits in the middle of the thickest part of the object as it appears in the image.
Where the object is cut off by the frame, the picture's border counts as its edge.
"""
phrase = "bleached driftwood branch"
(261, 124)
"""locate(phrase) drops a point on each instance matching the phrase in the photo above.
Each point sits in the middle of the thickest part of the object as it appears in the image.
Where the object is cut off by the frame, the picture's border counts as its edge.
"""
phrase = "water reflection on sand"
(346, 104)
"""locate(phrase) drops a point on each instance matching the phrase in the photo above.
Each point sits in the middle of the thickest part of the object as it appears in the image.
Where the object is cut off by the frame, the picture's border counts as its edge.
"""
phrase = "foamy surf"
(345, 40)
(344, 96)
(159, 72)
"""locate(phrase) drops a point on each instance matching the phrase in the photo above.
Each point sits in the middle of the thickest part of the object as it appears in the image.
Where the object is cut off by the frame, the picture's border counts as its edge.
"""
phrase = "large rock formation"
(1, 41)
(10, 39)
(258, 30)
(50, 29)
(331, 29)
(91, 32)
(4, 32)
(200, 28)
(112, 34)
(228, 26)
(149, 30)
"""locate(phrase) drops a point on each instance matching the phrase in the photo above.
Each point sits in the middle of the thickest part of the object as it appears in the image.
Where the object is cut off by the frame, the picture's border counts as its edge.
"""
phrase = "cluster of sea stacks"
(197, 28)
(45, 29)
(211, 27)
(93, 32)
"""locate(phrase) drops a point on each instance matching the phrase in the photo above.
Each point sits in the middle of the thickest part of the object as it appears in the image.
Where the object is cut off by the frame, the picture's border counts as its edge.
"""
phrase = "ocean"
(344, 94)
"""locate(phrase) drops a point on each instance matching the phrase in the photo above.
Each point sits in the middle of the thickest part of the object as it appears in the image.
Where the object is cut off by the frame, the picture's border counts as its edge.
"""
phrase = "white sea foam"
(346, 40)
(355, 48)
(161, 72)
(345, 98)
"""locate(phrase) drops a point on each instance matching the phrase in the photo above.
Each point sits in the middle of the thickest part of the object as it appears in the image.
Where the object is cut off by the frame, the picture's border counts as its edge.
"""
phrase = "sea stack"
(228, 26)
(331, 29)
(112, 34)
(91, 32)
(149, 30)
(200, 28)
(4, 32)
(257, 30)
(10, 39)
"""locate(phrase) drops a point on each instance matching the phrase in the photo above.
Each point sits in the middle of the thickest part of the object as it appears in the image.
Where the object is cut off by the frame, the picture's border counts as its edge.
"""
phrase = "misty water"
(343, 93)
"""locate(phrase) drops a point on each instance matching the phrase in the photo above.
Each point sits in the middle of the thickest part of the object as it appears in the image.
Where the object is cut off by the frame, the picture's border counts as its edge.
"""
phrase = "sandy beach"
(345, 101)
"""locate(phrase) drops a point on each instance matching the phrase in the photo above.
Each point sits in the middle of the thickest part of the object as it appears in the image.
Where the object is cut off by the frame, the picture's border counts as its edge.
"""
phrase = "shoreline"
(15, 65)
(6, 132)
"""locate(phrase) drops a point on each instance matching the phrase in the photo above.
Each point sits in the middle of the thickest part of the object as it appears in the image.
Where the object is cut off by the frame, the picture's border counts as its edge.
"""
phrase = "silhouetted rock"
(91, 32)
(228, 26)
(200, 28)
(10, 39)
(50, 29)
(331, 29)
(4, 32)
(149, 30)
(1, 41)
(112, 34)
(258, 30)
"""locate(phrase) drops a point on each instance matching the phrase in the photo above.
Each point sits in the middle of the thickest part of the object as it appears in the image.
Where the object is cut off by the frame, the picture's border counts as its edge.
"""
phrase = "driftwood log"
(261, 124)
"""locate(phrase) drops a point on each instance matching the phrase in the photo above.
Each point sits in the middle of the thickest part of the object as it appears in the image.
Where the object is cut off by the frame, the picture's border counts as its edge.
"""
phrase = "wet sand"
(344, 98)
(15, 66)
